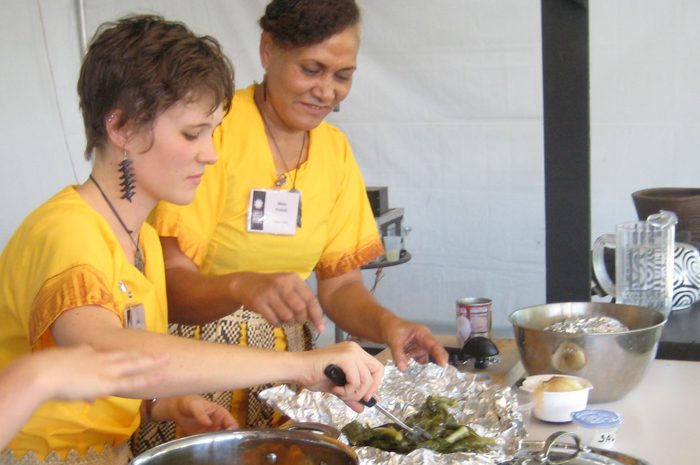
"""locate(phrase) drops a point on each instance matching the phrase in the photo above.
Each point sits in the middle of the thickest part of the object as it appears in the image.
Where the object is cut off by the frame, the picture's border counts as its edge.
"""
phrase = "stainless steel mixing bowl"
(613, 362)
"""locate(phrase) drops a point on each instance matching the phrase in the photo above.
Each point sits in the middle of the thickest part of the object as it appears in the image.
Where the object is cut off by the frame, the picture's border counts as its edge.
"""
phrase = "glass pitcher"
(643, 262)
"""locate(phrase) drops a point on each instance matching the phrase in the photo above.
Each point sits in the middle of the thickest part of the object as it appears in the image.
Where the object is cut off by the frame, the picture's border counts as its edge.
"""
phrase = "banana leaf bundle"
(447, 435)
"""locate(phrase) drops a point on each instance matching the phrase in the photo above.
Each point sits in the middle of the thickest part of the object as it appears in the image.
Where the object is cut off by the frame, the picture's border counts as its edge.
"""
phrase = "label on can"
(477, 311)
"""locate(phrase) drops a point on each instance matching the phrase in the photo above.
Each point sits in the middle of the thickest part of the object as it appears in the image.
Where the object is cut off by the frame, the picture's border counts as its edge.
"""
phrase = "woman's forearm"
(348, 302)
(196, 299)
(193, 297)
(196, 366)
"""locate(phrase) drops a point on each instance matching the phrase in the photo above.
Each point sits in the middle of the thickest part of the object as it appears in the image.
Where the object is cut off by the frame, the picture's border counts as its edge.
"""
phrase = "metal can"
(477, 312)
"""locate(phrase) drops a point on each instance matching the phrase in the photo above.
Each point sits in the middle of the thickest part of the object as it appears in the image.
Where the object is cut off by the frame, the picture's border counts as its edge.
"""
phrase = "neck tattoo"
(282, 178)
(138, 257)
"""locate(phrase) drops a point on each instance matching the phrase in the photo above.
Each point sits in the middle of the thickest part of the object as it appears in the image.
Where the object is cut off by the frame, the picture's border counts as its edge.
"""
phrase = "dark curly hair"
(142, 65)
(298, 23)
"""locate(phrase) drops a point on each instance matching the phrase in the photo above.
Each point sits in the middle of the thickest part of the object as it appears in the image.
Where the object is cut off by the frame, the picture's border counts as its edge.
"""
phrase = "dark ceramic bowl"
(683, 201)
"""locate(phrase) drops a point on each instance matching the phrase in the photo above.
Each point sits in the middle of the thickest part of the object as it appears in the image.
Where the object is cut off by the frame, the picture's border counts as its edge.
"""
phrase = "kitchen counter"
(659, 417)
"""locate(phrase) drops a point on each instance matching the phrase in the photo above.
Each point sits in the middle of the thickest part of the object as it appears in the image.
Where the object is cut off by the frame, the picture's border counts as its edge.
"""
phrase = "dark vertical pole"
(567, 149)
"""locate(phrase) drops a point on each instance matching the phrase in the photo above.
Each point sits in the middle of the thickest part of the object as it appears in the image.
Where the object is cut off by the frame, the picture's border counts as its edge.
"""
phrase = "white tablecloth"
(660, 416)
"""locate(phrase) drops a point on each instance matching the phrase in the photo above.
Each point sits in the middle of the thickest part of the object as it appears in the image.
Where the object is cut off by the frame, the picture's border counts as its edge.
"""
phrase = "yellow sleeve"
(61, 252)
(193, 225)
(66, 256)
(78, 286)
(353, 238)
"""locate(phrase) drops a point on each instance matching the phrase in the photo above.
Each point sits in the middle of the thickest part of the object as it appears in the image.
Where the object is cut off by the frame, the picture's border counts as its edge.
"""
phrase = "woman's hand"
(82, 373)
(279, 298)
(408, 340)
(71, 373)
(194, 414)
(362, 371)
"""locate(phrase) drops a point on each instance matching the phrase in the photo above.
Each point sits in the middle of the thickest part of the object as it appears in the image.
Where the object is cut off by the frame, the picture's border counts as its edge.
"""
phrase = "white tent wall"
(446, 110)
(645, 102)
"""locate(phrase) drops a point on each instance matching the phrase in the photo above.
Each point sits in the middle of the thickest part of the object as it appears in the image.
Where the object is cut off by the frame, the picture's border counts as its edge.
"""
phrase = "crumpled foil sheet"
(491, 410)
(588, 325)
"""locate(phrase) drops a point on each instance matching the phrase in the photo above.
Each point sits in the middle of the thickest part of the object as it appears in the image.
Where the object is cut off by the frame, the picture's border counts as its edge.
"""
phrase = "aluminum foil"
(588, 325)
(491, 410)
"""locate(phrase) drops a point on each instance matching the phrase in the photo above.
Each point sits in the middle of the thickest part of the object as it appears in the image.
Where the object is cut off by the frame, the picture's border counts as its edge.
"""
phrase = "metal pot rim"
(243, 433)
(553, 452)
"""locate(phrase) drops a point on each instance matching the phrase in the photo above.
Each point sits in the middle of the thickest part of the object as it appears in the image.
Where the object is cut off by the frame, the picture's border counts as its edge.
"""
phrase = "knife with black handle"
(337, 376)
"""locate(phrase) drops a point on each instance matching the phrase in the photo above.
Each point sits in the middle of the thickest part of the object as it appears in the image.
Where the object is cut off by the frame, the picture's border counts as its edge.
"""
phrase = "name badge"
(135, 317)
(272, 211)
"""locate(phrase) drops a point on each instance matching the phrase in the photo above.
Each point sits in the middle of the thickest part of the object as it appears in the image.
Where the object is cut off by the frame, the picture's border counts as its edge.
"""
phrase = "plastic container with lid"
(598, 428)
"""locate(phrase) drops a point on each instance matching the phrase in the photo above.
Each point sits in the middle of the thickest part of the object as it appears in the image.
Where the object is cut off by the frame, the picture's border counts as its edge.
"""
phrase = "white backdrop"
(446, 111)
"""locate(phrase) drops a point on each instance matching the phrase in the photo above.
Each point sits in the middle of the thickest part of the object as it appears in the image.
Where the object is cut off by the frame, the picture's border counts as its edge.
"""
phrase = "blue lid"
(597, 418)
(482, 378)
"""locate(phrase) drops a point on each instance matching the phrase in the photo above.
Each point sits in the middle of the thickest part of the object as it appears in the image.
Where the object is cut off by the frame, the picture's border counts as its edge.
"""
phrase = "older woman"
(287, 199)
(83, 268)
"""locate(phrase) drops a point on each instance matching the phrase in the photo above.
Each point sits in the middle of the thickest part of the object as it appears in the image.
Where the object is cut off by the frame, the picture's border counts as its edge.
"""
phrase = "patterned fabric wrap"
(230, 330)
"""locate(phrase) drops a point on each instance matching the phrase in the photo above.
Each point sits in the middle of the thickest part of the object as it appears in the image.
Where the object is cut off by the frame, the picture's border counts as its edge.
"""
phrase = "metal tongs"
(533, 452)
(337, 376)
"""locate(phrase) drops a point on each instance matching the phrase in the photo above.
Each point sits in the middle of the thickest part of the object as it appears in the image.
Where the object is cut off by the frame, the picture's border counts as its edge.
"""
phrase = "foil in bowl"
(491, 410)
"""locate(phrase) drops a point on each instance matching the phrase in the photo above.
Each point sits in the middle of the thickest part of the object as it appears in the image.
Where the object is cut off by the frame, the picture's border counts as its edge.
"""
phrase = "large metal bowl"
(251, 447)
(613, 362)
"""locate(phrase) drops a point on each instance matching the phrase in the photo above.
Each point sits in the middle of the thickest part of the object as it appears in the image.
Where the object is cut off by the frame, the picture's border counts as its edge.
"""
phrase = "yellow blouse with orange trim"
(338, 232)
(64, 255)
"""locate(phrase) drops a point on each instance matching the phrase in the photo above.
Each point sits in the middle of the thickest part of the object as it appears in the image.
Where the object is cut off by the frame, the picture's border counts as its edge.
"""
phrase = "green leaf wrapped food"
(447, 434)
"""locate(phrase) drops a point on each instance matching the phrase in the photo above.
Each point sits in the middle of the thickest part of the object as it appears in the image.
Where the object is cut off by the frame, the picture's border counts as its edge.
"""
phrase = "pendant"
(281, 180)
(138, 261)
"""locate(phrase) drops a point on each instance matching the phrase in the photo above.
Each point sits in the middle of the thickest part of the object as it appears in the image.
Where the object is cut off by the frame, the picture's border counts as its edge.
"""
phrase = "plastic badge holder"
(597, 427)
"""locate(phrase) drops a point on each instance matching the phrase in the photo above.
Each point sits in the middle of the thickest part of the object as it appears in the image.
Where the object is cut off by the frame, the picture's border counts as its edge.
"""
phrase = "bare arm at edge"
(196, 298)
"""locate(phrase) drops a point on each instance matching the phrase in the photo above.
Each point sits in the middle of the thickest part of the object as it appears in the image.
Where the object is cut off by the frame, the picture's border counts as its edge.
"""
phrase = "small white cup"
(392, 247)
(556, 406)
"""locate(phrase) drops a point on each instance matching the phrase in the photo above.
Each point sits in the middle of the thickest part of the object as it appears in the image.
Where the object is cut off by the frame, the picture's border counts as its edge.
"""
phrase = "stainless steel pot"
(554, 451)
(251, 447)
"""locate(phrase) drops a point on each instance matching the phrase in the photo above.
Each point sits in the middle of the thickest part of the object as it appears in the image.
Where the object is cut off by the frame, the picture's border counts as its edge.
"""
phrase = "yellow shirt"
(65, 255)
(338, 231)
